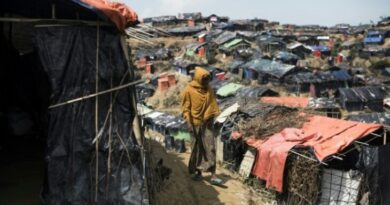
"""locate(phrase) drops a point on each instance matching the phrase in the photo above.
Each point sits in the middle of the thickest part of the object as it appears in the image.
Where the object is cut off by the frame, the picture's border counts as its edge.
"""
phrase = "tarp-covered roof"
(234, 64)
(322, 103)
(378, 118)
(225, 37)
(326, 136)
(186, 30)
(158, 53)
(159, 19)
(234, 43)
(273, 68)
(285, 56)
(362, 94)
(193, 16)
(319, 77)
(288, 101)
(118, 13)
(254, 92)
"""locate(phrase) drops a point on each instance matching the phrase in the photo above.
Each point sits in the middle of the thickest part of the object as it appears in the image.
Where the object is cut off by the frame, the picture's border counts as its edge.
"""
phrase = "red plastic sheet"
(120, 14)
(301, 102)
(326, 136)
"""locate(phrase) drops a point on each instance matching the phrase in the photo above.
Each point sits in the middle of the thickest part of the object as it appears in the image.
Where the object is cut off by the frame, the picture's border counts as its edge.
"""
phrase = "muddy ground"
(181, 190)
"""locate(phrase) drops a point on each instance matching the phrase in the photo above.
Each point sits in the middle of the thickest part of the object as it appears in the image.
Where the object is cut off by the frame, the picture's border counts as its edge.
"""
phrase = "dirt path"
(181, 190)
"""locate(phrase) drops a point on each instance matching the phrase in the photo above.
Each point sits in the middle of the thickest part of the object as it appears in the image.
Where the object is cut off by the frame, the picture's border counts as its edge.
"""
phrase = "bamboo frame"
(64, 21)
(97, 113)
(97, 94)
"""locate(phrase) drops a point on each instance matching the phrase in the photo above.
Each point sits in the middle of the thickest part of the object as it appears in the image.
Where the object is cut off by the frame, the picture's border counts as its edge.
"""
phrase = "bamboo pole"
(306, 157)
(109, 137)
(97, 113)
(97, 94)
(65, 21)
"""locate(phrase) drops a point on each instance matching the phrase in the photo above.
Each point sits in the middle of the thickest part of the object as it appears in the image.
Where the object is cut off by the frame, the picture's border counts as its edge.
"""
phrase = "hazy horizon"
(300, 12)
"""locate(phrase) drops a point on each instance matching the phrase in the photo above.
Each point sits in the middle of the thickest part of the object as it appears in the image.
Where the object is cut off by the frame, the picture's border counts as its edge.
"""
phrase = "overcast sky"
(325, 12)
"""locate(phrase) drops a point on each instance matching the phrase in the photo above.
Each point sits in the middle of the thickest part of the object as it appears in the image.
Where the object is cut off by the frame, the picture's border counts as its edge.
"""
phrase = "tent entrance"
(24, 94)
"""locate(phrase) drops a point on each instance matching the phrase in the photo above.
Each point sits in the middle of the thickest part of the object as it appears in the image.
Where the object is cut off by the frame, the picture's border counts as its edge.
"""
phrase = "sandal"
(196, 177)
(216, 181)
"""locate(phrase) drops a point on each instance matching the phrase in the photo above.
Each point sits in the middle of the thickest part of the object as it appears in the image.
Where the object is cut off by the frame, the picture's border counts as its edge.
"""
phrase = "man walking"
(199, 108)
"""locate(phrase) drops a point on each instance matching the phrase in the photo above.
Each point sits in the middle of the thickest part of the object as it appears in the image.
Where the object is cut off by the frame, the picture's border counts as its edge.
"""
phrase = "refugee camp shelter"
(377, 118)
(320, 82)
(248, 25)
(320, 106)
(270, 44)
(265, 70)
(161, 20)
(299, 49)
(68, 103)
(359, 98)
(234, 45)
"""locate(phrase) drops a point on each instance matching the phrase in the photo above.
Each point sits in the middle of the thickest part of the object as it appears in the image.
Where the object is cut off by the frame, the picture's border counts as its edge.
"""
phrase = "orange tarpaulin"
(288, 101)
(327, 136)
(120, 14)
(334, 135)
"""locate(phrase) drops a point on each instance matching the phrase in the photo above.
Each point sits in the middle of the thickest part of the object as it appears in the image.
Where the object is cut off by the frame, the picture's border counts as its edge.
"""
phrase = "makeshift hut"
(161, 20)
(184, 67)
(186, 31)
(357, 99)
(270, 44)
(153, 54)
(377, 118)
(234, 45)
(77, 89)
(255, 92)
(225, 37)
(234, 66)
(329, 180)
(299, 49)
(286, 57)
(321, 82)
(320, 106)
(266, 70)
(196, 49)
(247, 25)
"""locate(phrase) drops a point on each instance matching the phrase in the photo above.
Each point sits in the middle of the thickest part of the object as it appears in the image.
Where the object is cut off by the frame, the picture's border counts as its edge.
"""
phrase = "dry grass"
(169, 101)
(263, 126)
(303, 180)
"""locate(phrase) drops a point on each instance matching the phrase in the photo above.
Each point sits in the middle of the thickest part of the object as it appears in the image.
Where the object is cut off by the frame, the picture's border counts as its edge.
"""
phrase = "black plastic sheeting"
(255, 92)
(68, 55)
(225, 37)
(374, 163)
(355, 99)
(379, 118)
(144, 91)
(269, 67)
(154, 53)
(165, 123)
(186, 31)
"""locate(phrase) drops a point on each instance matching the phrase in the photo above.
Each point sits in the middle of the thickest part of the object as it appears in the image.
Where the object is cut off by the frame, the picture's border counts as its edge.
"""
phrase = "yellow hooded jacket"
(198, 102)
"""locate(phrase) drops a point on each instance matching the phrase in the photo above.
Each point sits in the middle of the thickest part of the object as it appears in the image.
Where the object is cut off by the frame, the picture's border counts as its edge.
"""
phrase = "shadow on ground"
(179, 189)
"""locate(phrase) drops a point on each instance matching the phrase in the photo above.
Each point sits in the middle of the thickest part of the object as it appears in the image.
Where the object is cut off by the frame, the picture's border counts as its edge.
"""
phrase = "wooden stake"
(97, 114)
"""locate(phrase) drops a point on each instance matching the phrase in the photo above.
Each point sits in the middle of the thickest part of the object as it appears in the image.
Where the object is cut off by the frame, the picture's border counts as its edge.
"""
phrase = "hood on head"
(199, 74)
